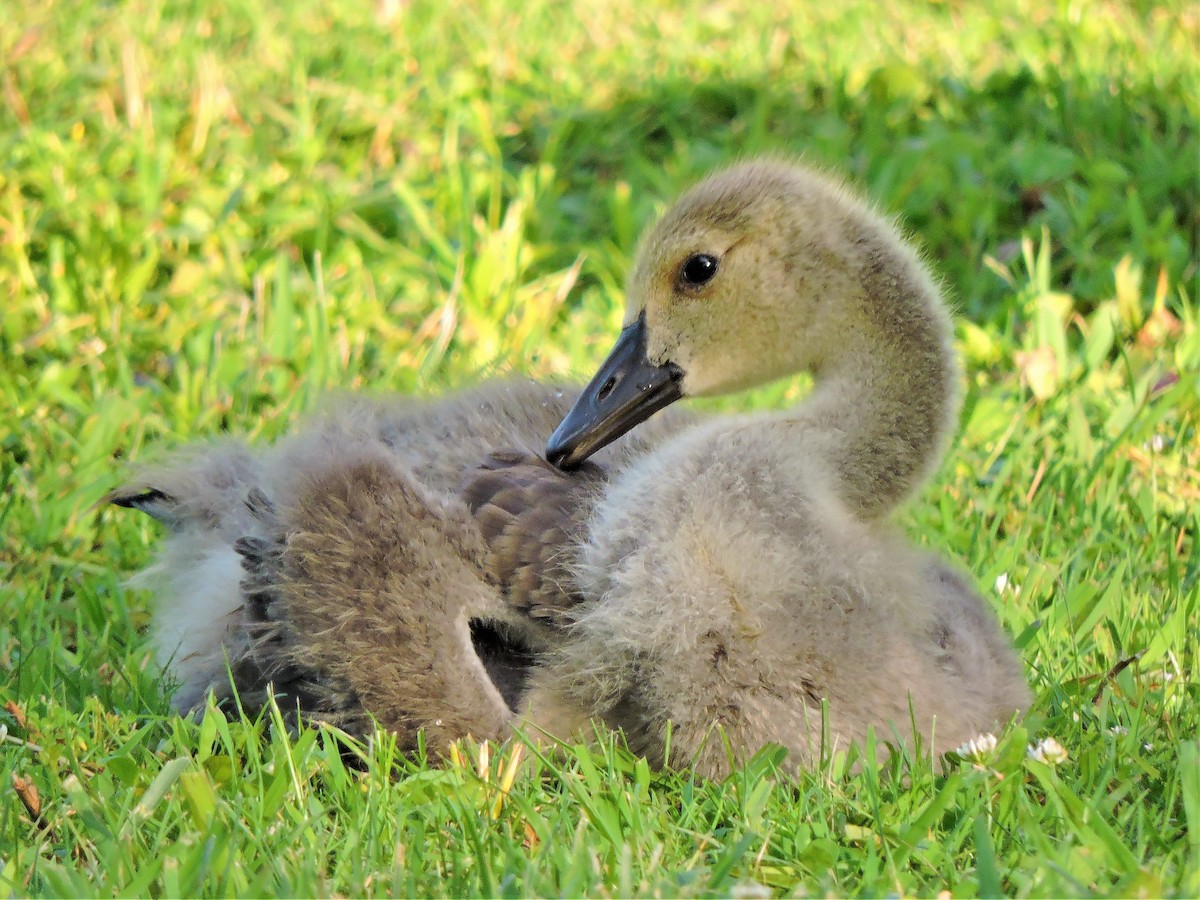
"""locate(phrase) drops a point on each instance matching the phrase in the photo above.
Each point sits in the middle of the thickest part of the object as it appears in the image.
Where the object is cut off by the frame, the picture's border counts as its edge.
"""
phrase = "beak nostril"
(606, 388)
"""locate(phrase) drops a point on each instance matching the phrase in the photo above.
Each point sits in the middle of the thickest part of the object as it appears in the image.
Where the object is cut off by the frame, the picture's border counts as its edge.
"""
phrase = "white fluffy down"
(198, 581)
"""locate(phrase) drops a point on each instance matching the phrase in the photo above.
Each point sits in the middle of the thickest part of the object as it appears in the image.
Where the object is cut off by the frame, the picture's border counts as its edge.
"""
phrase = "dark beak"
(626, 390)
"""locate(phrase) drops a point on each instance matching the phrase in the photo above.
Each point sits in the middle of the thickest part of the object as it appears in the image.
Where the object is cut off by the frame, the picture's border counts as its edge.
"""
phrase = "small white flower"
(978, 749)
(749, 890)
(1048, 751)
(1118, 730)
(1004, 583)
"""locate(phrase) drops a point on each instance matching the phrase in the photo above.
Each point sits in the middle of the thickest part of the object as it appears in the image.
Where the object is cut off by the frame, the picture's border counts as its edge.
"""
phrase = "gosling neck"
(884, 405)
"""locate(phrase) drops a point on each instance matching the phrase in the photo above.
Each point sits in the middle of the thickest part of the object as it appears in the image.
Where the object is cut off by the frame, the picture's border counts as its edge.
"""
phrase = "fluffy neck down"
(886, 400)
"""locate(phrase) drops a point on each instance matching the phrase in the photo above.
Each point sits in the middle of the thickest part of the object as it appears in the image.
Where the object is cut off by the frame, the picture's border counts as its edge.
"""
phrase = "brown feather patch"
(531, 514)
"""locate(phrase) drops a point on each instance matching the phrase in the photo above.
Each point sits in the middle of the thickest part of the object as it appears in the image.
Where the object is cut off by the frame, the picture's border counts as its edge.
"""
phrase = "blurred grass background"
(212, 212)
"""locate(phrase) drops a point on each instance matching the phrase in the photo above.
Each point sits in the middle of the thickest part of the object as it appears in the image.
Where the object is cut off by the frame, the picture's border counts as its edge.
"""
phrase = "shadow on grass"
(1108, 173)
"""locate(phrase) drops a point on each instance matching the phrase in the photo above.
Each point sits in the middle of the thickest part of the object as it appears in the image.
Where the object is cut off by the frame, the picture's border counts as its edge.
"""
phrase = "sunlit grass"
(210, 213)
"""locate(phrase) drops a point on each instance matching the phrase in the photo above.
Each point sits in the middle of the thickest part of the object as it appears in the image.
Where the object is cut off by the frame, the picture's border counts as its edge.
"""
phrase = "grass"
(212, 212)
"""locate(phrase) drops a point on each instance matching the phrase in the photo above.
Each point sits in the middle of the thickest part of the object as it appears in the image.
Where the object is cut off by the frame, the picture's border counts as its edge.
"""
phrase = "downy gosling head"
(767, 269)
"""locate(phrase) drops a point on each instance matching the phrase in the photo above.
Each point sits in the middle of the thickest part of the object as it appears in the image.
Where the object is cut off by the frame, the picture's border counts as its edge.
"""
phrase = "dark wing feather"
(158, 505)
(531, 514)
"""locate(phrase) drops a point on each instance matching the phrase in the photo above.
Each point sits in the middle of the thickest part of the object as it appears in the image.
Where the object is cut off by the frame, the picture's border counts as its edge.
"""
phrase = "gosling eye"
(697, 270)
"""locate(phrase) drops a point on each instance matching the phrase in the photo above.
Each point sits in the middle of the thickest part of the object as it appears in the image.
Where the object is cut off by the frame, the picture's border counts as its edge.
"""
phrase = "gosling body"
(742, 574)
(737, 573)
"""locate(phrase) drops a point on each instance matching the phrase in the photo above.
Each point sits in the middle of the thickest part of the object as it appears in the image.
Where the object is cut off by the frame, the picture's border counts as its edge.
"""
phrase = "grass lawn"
(211, 212)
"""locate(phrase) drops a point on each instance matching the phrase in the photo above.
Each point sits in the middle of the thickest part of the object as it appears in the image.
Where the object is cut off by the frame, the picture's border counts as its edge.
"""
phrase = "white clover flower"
(979, 748)
(1118, 730)
(1048, 751)
(1004, 583)
(749, 890)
